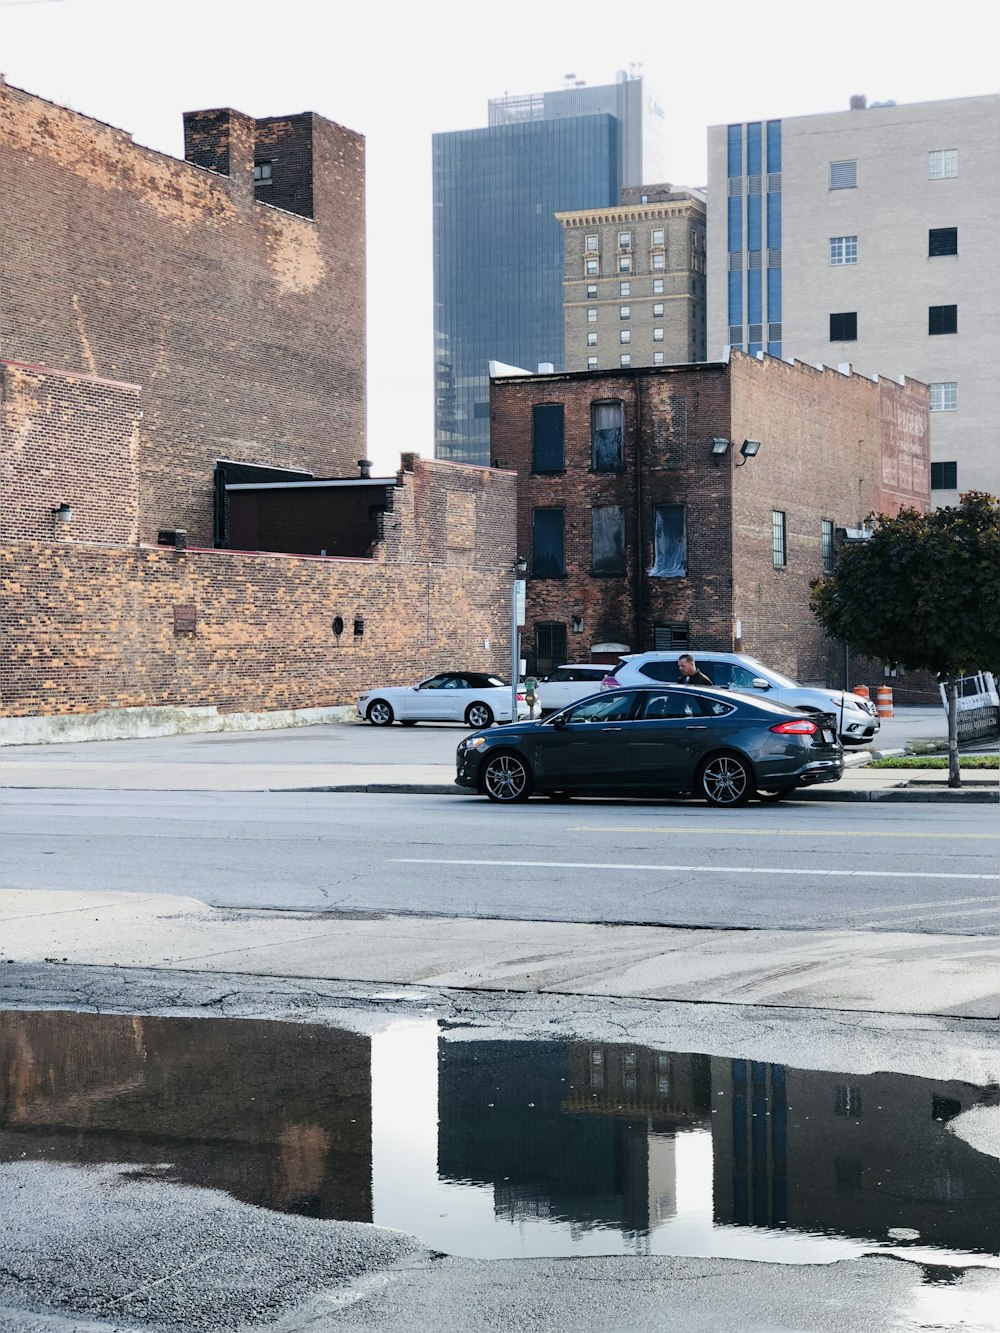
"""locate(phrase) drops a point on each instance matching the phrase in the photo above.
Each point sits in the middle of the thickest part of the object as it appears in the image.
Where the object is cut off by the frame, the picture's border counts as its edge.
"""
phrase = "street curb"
(899, 795)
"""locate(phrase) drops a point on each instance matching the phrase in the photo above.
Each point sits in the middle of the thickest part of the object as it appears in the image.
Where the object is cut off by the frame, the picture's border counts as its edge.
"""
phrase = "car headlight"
(471, 743)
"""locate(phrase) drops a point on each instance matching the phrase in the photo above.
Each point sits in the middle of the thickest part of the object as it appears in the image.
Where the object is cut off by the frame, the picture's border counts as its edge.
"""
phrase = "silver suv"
(568, 683)
(857, 717)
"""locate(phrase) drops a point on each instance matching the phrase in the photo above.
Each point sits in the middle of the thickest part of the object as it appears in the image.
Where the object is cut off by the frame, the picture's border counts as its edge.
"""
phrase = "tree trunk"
(951, 694)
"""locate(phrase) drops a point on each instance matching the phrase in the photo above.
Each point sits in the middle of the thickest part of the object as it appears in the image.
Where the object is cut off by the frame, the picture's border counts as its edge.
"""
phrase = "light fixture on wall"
(749, 449)
(578, 624)
(62, 513)
(718, 447)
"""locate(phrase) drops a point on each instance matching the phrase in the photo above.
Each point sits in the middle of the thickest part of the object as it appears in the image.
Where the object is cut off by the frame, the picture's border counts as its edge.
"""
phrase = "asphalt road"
(818, 866)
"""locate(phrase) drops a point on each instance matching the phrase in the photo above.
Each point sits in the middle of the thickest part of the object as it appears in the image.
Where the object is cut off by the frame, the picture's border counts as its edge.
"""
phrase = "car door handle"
(696, 726)
(611, 728)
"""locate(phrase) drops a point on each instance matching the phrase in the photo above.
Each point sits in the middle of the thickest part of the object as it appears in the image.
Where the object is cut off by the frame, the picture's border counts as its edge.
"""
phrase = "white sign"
(519, 588)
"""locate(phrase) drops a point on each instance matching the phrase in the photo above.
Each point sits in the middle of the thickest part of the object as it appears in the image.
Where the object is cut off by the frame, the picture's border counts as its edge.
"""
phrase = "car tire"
(380, 713)
(773, 795)
(726, 780)
(507, 778)
(410, 722)
(479, 715)
(559, 795)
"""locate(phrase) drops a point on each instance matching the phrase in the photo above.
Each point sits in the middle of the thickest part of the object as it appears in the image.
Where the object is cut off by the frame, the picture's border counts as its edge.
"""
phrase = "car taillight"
(801, 727)
(609, 683)
(521, 697)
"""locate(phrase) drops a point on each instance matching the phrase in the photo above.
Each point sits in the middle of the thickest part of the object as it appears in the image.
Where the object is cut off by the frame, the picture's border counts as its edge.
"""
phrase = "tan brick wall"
(244, 324)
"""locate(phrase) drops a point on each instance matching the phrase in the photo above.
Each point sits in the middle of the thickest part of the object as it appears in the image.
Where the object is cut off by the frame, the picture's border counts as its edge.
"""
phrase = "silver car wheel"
(479, 716)
(726, 780)
(506, 778)
(379, 713)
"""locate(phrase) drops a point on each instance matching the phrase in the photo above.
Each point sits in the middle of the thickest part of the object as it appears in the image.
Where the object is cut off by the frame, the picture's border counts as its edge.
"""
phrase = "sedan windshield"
(776, 676)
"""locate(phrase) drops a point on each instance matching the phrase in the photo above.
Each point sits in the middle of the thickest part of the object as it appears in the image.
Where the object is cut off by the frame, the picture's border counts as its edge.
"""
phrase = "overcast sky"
(399, 72)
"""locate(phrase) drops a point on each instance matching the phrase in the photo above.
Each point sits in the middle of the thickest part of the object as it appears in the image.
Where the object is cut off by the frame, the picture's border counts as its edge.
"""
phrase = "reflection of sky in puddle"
(461, 1217)
(503, 1149)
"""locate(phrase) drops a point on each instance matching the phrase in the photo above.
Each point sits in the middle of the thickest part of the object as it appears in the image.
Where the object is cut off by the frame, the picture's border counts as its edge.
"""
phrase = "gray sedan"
(722, 747)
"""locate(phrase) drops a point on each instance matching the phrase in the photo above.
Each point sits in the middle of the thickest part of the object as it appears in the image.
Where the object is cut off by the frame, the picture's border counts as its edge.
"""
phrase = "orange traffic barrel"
(883, 701)
(862, 690)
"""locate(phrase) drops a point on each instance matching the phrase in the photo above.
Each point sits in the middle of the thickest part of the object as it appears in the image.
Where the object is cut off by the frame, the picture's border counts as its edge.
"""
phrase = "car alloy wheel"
(726, 780)
(479, 716)
(506, 778)
(379, 713)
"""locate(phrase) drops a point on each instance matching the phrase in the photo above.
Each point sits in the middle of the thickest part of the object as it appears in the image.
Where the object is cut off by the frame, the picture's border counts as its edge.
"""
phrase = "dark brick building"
(230, 287)
(639, 536)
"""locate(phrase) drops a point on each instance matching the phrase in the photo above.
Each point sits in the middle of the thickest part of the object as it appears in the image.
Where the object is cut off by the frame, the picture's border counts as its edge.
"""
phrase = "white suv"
(568, 683)
(857, 717)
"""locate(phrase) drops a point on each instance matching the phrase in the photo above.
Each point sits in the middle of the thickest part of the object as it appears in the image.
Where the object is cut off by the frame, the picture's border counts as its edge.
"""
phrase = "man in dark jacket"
(689, 673)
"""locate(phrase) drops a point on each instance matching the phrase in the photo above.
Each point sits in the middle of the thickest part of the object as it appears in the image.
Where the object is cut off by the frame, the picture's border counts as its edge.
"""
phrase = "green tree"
(923, 592)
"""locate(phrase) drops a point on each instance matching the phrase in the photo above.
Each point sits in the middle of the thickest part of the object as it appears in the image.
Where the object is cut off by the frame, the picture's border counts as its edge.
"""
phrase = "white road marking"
(709, 870)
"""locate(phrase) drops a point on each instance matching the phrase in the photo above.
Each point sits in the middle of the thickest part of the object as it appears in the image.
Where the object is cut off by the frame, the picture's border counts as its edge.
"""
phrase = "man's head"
(686, 665)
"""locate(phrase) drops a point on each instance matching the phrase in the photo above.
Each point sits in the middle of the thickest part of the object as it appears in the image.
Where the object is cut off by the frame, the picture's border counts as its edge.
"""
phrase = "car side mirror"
(760, 684)
(559, 721)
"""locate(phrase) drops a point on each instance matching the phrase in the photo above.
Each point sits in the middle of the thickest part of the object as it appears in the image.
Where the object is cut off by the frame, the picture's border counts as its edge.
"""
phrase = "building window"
(591, 289)
(624, 289)
(942, 164)
(591, 362)
(657, 335)
(624, 240)
(263, 173)
(625, 360)
(657, 238)
(592, 315)
(774, 333)
(826, 544)
(944, 396)
(607, 421)
(624, 335)
(657, 358)
(779, 553)
(625, 312)
(942, 319)
(942, 241)
(668, 637)
(847, 1101)
(593, 268)
(657, 286)
(844, 175)
(550, 646)
(774, 258)
(592, 339)
(624, 263)
(592, 244)
(844, 327)
(944, 476)
(659, 261)
(843, 249)
(669, 542)
(547, 437)
(608, 539)
(735, 334)
(657, 309)
(548, 543)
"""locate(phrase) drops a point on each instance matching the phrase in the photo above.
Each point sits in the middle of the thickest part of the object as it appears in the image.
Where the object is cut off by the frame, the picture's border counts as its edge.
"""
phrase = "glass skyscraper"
(498, 250)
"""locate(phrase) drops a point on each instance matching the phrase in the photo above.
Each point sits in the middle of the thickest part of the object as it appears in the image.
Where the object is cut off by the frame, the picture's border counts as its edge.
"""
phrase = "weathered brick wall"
(453, 513)
(88, 627)
(244, 324)
(826, 447)
(67, 439)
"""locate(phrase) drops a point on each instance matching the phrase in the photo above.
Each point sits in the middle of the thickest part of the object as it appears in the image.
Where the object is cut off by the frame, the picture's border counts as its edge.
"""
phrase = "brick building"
(634, 280)
(92, 618)
(638, 535)
(230, 287)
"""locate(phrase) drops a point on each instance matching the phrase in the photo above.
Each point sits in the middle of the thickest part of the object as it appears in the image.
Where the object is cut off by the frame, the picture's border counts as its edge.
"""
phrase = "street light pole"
(517, 592)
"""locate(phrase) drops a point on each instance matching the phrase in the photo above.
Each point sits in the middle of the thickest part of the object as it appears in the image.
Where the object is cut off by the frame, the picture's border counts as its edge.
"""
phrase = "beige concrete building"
(634, 281)
(867, 237)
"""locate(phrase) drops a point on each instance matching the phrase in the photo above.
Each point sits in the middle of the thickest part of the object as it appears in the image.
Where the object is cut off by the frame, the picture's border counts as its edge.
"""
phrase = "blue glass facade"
(498, 256)
(754, 231)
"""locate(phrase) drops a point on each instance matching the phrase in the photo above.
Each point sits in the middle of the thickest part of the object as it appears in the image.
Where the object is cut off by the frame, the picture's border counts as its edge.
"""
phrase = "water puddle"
(510, 1149)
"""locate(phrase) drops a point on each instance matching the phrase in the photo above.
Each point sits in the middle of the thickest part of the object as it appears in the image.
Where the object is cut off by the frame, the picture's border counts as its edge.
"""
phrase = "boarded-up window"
(548, 548)
(608, 553)
(606, 422)
(547, 437)
(669, 542)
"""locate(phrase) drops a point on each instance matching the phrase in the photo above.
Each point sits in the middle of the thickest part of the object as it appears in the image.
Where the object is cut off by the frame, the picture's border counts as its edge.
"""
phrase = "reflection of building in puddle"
(276, 1114)
(579, 1133)
(851, 1154)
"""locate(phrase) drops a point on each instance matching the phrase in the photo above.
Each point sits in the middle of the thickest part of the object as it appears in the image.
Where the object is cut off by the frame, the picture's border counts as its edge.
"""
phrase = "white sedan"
(472, 697)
